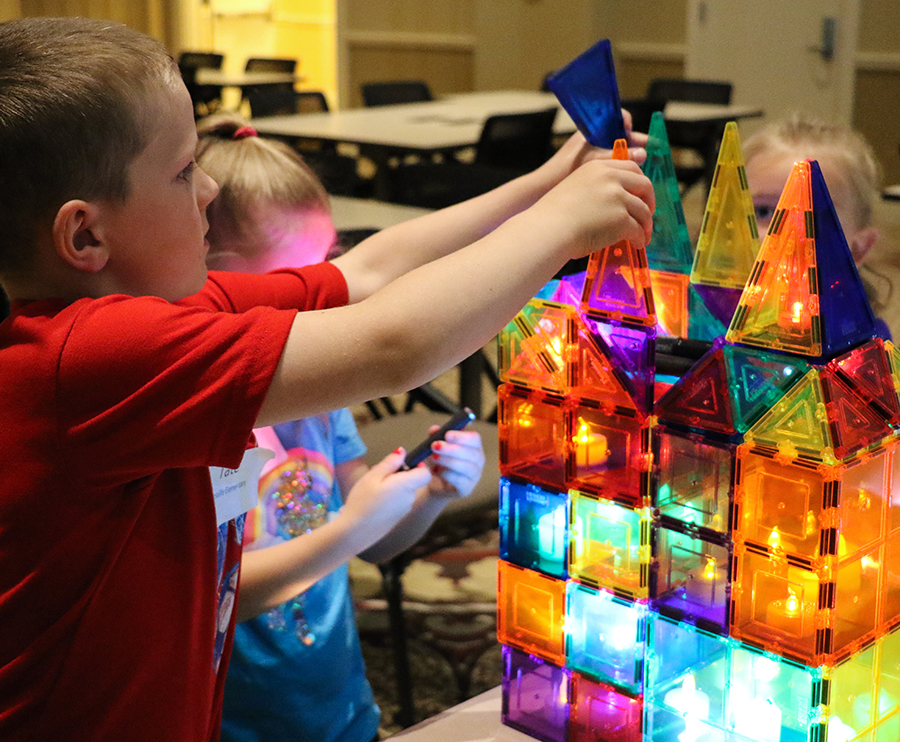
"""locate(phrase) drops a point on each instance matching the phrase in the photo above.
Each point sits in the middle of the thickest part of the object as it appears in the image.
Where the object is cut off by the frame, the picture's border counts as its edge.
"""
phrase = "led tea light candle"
(591, 448)
(551, 535)
(706, 584)
(693, 705)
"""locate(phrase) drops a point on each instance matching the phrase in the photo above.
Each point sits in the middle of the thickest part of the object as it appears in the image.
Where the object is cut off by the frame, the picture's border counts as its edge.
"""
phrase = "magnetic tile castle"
(720, 563)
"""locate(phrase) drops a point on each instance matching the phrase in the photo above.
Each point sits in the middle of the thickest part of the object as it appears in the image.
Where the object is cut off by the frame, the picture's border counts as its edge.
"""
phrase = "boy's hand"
(601, 203)
(384, 495)
(457, 463)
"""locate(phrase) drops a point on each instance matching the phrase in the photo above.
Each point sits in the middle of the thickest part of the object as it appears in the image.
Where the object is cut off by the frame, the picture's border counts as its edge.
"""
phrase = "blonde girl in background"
(296, 667)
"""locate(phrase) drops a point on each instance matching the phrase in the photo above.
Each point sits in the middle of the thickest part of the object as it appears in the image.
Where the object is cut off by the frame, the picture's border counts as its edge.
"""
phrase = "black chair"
(700, 138)
(262, 90)
(338, 172)
(271, 64)
(511, 144)
(395, 91)
(266, 100)
(206, 98)
(462, 519)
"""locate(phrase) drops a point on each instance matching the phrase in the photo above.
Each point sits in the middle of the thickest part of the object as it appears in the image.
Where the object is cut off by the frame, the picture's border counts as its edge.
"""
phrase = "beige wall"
(877, 101)
(149, 16)
(431, 40)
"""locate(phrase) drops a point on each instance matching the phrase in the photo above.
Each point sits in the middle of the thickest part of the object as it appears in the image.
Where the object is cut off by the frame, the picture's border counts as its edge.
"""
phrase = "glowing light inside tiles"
(621, 637)
(792, 604)
(765, 669)
(551, 530)
(775, 539)
(760, 719)
(869, 563)
(591, 448)
(838, 731)
(547, 328)
(710, 568)
(524, 417)
(693, 705)
(563, 693)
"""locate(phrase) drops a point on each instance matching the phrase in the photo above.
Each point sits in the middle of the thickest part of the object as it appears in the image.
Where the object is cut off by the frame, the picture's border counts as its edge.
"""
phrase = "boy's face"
(156, 239)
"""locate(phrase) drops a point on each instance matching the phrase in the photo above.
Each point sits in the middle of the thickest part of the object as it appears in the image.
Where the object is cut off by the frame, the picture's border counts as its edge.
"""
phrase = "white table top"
(360, 213)
(475, 720)
(452, 122)
(207, 76)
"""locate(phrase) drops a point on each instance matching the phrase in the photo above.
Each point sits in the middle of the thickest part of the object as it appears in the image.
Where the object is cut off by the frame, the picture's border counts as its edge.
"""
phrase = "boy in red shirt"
(132, 379)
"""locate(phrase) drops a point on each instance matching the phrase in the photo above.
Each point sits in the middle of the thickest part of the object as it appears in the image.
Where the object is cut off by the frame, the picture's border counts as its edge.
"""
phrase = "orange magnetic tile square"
(531, 612)
(532, 435)
(609, 454)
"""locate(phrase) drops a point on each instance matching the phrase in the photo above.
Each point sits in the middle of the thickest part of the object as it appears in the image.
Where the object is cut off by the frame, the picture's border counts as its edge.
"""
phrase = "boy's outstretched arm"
(428, 320)
(399, 249)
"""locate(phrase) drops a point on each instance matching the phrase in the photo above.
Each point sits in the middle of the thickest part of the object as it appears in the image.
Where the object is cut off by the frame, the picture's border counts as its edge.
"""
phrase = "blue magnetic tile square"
(588, 90)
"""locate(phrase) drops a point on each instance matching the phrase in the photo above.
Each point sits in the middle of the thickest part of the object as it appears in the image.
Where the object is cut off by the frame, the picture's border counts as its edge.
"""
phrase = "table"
(362, 213)
(207, 76)
(446, 125)
(475, 720)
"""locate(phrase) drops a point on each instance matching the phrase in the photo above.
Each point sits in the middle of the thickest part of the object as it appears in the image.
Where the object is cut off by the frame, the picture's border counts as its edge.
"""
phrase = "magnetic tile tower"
(724, 564)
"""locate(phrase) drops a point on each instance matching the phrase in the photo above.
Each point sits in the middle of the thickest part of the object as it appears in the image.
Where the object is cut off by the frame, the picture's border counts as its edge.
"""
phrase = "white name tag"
(236, 490)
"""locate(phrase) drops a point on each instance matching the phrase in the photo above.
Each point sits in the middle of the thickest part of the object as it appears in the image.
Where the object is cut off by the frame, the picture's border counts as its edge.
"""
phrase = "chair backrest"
(188, 64)
(271, 100)
(271, 64)
(519, 141)
(200, 60)
(311, 101)
(693, 91)
(395, 91)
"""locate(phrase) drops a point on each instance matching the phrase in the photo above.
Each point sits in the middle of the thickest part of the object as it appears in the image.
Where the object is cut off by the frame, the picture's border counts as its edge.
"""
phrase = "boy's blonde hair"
(845, 152)
(74, 105)
(252, 170)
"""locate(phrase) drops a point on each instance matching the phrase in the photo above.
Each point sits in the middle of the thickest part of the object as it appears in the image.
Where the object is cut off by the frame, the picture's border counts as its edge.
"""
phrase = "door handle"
(829, 34)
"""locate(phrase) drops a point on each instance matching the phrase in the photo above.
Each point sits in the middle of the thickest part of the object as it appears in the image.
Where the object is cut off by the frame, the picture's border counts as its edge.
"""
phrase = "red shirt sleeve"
(312, 287)
(146, 385)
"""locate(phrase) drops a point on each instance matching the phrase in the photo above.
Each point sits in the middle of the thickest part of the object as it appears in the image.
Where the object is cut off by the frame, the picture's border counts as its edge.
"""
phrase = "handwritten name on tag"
(236, 490)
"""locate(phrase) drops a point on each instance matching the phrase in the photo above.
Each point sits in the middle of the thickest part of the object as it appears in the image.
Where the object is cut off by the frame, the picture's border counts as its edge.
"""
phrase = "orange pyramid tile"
(617, 285)
(594, 375)
(728, 241)
(779, 308)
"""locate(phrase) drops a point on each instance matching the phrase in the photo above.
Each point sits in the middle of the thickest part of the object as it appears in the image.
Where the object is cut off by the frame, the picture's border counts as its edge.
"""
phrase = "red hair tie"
(244, 131)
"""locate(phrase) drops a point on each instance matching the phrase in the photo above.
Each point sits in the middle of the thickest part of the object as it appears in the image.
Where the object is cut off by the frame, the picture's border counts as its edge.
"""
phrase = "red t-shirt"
(112, 411)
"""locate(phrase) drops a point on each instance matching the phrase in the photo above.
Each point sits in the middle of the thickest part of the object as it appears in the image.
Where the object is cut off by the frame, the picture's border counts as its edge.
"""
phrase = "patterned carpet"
(450, 609)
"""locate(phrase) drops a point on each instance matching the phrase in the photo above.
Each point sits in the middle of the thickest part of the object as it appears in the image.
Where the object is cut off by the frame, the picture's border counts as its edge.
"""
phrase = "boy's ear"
(75, 239)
